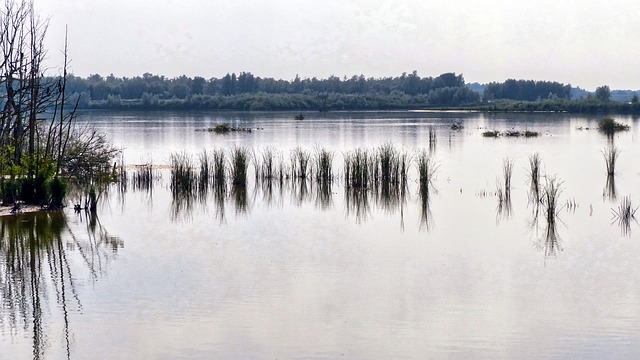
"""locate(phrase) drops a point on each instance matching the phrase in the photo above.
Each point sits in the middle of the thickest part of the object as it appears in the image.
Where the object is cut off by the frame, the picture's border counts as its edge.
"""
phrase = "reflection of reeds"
(324, 196)
(239, 193)
(503, 190)
(357, 203)
(624, 214)
(204, 176)
(432, 138)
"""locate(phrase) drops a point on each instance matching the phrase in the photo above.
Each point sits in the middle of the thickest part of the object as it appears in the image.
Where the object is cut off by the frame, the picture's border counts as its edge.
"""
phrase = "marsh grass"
(218, 160)
(143, 177)
(323, 164)
(300, 163)
(239, 158)
(534, 178)
(268, 166)
(611, 155)
(551, 191)
(357, 168)
(427, 170)
(183, 177)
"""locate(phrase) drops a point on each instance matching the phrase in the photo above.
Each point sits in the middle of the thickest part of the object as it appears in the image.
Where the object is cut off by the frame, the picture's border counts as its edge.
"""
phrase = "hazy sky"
(585, 43)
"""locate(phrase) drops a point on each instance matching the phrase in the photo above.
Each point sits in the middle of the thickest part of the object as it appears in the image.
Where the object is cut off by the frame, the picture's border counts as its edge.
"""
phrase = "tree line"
(249, 92)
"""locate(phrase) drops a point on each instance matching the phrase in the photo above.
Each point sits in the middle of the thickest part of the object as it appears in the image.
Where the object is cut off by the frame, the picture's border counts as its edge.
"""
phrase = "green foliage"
(603, 93)
(609, 126)
(58, 189)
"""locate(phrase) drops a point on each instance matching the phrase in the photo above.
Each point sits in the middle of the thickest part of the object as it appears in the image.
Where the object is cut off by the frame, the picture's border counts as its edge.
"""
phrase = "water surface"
(288, 273)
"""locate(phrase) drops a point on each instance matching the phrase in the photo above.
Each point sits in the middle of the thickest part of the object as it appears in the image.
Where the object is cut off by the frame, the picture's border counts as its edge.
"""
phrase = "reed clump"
(357, 168)
(183, 177)
(611, 155)
(323, 163)
(427, 169)
(143, 177)
(239, 158)
(218, 160)
(300, 163)
(534, 177)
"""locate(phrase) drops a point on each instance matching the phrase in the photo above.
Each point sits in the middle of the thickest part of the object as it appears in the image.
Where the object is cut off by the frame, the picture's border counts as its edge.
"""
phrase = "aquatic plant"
(239, 164)
(611, 155)
(427, 169)
(218, 160)
(491, 133)
(534, 177)
(357, 168)
(143, 177)
(182, 174)
(323, 163)
(300, 162)
(507, 172)
(204, 175)
(609, 126)
(268, 165)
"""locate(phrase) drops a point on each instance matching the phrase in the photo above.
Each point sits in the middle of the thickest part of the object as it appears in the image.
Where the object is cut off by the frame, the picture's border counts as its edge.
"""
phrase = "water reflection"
(36, 270)
(356, 202)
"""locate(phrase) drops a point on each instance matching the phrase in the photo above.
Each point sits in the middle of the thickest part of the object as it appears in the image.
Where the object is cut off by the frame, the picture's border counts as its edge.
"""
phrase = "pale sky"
(584, 43)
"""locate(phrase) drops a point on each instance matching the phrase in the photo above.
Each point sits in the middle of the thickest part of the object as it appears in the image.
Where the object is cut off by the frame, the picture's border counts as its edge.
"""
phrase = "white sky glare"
(584, 43)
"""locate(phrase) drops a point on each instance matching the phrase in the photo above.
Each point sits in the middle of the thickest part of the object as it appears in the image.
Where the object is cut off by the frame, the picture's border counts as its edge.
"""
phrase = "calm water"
(298, 273)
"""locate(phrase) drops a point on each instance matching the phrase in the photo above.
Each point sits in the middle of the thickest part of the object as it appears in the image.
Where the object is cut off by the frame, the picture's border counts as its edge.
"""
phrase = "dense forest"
(407, 91)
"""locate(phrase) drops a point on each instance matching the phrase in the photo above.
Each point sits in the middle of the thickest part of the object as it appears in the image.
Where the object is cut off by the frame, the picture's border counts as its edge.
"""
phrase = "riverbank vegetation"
(41, 148)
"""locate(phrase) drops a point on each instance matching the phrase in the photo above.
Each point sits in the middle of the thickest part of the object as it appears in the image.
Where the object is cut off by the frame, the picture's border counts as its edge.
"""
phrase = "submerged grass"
(300, 163)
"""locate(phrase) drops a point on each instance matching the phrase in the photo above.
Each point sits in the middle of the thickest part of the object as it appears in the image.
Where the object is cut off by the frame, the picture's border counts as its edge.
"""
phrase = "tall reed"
(218, 160)
(143, 177)
(507, 171)
(427, 169)
(300, 163)
(268, 166)
(357, 167)
(205, 173)
(611, 155)
(183, 177)
(534, 177)
(239, 164)
(323, 163)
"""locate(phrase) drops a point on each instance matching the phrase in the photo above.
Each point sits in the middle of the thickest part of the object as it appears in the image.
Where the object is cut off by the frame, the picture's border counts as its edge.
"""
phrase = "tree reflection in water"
(36, 258)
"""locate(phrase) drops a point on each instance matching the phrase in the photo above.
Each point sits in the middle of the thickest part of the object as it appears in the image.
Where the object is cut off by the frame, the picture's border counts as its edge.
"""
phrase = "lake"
(295, 270)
